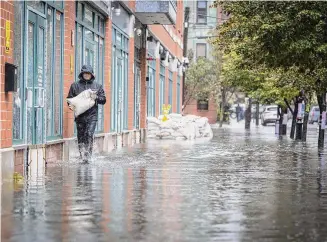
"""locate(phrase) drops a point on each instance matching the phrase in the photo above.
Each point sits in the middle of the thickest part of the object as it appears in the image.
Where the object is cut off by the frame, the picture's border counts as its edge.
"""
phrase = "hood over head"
(86, 69)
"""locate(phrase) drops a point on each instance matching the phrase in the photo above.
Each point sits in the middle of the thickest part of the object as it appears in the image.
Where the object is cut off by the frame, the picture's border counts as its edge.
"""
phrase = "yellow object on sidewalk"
(165, 110)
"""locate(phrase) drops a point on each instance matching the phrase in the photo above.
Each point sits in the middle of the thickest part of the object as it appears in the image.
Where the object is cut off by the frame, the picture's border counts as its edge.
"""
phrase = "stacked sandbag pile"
(178, 127)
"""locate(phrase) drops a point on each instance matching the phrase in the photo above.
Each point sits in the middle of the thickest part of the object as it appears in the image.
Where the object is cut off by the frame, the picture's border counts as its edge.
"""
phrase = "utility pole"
(185, 40)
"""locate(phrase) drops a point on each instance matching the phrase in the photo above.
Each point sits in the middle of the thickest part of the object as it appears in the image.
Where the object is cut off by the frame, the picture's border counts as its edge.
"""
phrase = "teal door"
(35, 78)
(137, 84)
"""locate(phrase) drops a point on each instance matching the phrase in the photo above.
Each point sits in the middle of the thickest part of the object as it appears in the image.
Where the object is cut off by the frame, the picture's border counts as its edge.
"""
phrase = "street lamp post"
(185, 36)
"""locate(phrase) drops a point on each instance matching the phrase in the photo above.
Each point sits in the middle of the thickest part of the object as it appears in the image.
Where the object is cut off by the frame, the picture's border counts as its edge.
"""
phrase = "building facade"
(204, 18)
(135, 48)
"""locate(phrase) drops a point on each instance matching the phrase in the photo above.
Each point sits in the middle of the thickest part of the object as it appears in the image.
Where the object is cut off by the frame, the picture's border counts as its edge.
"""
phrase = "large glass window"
(18, 107)
(54, 74)
(170, 90)
(119, 81)
(90, 46)
(201, 50)
(52, 62)
(162, 88)
(201, 12)
(151, 89)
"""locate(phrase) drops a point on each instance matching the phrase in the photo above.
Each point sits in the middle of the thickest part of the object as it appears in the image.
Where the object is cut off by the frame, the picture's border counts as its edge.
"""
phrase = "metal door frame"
(119, 87)
(38, 20)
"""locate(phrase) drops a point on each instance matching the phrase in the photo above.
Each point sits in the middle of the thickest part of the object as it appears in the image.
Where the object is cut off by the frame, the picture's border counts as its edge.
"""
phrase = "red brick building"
(208, 109)
(135, 48)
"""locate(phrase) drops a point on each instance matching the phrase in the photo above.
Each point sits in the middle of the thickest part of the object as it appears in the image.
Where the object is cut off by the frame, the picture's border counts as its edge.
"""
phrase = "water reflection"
(241, 186)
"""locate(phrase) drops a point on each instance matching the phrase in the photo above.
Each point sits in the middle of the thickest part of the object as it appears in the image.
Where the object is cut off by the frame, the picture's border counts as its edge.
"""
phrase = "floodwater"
(241, 186)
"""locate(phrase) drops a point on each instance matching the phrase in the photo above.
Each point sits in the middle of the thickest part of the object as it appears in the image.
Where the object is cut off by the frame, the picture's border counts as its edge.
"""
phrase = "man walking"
(87, 121)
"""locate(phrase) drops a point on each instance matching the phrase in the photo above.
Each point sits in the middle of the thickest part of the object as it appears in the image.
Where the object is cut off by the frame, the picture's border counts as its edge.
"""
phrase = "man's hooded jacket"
(82, 85)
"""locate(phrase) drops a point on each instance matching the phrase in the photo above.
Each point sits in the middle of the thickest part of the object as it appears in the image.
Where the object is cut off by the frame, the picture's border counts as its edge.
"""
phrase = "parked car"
(269, 115)
(314, 114)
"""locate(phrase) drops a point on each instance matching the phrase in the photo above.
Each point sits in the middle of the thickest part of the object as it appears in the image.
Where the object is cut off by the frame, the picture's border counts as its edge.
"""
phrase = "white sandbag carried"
(82, 102)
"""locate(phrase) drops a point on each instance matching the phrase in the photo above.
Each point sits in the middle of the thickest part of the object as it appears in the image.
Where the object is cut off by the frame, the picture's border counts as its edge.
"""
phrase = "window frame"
(199, 105)
(54, 136)
(151, 87)
(201, 12)
(95, 30)
(170, 89)
(123, 51)
(206, 50)
(162, 90)
(22, 129)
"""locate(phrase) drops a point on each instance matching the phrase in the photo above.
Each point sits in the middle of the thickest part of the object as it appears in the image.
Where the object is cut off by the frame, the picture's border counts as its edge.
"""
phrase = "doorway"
(35, 88)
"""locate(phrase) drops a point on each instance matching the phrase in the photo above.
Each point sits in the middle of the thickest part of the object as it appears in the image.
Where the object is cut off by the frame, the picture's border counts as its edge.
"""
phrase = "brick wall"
(54, 153)
(6, 99)
(211, 114)
(69, 74)
(19, 161)
(107, 75)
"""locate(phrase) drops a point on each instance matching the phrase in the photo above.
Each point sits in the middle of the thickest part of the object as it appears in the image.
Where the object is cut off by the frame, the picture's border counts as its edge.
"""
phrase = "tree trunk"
(282, 127)
(281, 117)
(257, 114)
(322, 106)
(248, 115)
(294, 121)
(285, 125)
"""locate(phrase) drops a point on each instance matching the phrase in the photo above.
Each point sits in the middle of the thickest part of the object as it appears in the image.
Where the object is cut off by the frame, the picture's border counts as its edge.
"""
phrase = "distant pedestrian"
(238, 112)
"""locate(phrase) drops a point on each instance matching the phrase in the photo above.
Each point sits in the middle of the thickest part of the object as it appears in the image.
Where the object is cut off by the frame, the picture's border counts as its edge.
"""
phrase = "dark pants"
(85, 133)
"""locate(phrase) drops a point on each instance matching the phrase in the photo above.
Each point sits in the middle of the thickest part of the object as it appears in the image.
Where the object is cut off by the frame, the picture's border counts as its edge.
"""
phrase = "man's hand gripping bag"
(82, 102)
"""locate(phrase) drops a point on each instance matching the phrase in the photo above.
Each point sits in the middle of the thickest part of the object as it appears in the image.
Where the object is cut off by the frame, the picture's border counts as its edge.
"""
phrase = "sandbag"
(170, 131)
(153, 120)
(82, 102)
(175, 116)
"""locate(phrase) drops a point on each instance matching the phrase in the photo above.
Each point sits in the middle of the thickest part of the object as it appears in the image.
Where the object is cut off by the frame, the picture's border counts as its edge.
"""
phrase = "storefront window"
(18, 60)
(54, 75)
(44, 86)
(162, 88)
(170, 90)
(90, 47)
(151, 88)
(119, 81)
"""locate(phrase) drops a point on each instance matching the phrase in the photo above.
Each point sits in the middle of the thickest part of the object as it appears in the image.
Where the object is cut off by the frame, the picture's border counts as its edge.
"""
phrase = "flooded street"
(241, 186)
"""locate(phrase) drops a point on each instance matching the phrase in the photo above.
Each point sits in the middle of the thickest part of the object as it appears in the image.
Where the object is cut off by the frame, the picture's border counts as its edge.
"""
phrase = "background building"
(204, 18)
(135, 48)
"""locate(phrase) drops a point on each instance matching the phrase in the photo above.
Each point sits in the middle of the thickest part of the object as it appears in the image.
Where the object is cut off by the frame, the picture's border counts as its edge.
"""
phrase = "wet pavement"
(241, 186)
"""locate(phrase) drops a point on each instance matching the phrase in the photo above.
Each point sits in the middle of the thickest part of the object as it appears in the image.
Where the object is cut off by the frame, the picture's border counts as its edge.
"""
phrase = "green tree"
(283, 41)
(202, 81)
